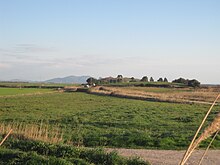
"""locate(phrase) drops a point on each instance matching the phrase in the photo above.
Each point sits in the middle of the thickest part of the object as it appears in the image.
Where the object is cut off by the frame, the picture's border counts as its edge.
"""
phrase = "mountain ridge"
(68, 80)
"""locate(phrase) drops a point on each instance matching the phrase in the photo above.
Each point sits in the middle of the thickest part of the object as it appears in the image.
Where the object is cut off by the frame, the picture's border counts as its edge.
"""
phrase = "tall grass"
(202, 96)
(210, 130)
(42, 132)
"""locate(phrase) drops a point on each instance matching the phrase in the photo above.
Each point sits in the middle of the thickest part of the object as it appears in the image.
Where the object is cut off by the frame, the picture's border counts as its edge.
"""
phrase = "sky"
(43, 39)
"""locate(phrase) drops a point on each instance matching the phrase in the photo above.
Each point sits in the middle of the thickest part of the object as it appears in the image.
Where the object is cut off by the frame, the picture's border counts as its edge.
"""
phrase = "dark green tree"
(194, 83)
(165, 80)
(144, 79)
(151, 79)
(160, 80)
(180, 80)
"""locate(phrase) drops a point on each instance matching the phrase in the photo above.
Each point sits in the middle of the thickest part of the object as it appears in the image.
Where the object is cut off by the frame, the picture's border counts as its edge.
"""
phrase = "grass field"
(159, 90)
(144, 84)
(18, 91)
(92, 120)
(34, 85)
(161, 94)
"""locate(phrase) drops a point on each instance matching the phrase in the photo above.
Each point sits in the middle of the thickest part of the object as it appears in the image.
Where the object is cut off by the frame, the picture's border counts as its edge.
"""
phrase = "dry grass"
(214, 127)
(201, 95)
(40, 132)
(210, 130)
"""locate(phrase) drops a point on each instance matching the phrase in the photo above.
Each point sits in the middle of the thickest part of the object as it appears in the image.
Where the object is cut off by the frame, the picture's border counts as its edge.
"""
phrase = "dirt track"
(171, 157)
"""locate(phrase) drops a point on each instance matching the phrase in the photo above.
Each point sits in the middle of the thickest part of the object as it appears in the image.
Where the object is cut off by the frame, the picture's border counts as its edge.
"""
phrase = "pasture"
(188, 95)
(91, 120)
(20, 91)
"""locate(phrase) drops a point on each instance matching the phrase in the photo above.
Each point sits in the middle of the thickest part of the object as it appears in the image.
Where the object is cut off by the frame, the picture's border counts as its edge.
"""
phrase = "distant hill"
(69, 80)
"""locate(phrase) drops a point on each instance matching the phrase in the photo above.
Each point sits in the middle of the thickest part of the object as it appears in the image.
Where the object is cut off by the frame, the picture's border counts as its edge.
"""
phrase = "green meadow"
(19, 91)
(108, 121)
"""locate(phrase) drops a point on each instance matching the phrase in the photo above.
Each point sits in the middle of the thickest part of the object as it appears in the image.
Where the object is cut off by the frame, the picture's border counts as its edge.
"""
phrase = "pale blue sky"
(42, 39)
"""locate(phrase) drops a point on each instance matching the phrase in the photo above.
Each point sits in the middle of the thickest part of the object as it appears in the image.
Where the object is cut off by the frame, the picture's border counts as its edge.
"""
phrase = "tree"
(160, 80)
(193, 83)
(151, 79)
(165, 80)
(180, 80)
(144, 79)
(119, 76)
(91, 81)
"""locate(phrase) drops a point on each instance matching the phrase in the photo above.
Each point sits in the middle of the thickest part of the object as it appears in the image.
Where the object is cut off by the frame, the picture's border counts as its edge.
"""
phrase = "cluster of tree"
(162, 80)
(120, 78)
(192, 83)
(145, 79)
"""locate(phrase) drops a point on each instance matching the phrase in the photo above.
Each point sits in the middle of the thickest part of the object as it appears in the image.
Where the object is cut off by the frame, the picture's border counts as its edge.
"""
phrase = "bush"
(43, 153)
(28, 158)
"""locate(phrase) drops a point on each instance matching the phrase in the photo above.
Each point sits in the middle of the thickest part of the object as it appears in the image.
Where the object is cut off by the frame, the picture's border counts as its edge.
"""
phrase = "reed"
(200, 96)
(42, 132)
(211, 129)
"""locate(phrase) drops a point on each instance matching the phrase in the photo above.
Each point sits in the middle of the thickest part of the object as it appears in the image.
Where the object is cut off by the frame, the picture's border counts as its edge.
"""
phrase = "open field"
(172, 95)
(91, 120)
(18, 91)
(33, 85)
(144, 84)
(159, 90)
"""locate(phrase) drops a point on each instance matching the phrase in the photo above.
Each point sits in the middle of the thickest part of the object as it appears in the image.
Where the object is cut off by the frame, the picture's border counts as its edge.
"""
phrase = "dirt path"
(170, 157)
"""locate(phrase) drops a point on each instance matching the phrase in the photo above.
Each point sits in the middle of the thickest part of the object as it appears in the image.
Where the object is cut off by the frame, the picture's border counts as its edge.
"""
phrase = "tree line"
(121, 79)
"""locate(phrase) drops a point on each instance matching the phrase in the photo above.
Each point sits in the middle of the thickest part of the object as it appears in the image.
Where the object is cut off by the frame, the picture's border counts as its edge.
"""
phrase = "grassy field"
(159, 90)
(18, 91)
(161, 94)
(92, 120)
(34, 85)
(144, 84)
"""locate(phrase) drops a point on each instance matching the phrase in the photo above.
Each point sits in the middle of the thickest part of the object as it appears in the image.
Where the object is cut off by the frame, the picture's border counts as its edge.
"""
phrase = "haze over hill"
(69, 80)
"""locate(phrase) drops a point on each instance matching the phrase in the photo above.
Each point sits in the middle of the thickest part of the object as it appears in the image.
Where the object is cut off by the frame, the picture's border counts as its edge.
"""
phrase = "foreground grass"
(33, 152)
(91, 120)
(18, 91)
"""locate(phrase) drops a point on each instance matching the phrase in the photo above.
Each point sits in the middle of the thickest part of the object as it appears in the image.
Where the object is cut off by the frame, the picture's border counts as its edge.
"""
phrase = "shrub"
(28, 158)
(58, 154)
